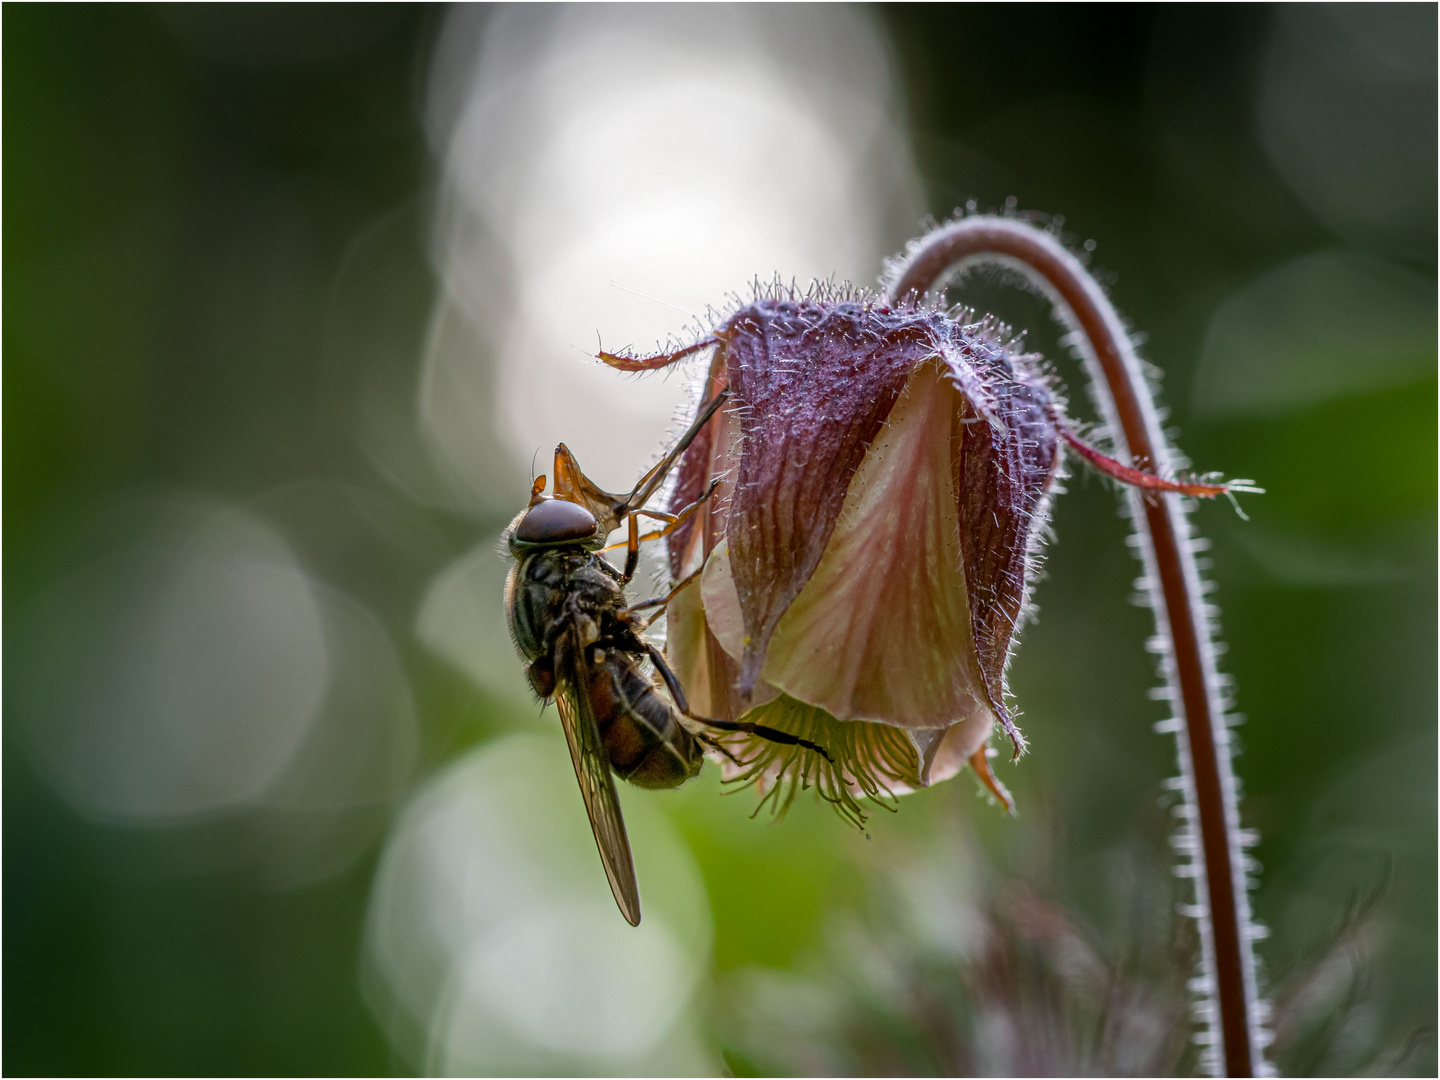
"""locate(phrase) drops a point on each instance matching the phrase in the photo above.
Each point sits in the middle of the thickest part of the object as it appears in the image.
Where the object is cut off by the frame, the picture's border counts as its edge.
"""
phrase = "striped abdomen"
(643, 737)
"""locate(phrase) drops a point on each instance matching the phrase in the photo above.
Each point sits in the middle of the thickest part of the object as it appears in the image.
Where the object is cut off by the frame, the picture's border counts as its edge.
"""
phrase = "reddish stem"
(1174, 581)
(1134, 477)
(629, 362)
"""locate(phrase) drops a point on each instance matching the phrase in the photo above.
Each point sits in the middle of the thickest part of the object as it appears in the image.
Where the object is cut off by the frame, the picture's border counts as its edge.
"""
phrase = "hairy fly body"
(567, 614)
(584, 649)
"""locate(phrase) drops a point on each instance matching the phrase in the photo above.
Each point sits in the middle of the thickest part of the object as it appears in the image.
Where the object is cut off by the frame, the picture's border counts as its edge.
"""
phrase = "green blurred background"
(223, 286)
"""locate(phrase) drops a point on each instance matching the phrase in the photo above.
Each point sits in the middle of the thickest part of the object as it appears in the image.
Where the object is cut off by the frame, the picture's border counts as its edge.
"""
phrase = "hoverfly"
(583, 646)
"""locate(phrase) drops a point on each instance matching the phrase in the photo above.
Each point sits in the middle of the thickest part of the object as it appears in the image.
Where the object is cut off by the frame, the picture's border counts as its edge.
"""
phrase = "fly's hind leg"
(763, 731)
(716, 744)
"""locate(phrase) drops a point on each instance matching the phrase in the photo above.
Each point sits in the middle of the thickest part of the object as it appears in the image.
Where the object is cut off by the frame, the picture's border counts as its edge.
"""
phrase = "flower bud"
(868, 553)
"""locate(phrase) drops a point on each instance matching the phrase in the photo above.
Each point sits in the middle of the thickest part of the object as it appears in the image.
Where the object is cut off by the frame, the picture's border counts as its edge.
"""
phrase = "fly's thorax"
(594, 582)
(546, 581)
(535, 595)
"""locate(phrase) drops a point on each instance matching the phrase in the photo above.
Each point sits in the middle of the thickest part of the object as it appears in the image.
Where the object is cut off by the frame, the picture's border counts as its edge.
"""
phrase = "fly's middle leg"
(660, 602)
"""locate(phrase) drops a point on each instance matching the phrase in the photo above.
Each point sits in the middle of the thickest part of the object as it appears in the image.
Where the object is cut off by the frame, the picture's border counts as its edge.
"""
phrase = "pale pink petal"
(813, 384)
(882, 629)
(1007, 464)
(726, 621)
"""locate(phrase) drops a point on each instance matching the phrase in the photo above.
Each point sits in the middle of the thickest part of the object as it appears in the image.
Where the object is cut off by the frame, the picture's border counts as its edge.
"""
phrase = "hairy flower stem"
(1230, 1006)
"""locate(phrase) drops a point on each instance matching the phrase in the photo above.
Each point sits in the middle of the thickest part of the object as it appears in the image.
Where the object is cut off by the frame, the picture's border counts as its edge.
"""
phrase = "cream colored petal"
(685, 648)
(721, 602)
(882, 629)
(957, 744)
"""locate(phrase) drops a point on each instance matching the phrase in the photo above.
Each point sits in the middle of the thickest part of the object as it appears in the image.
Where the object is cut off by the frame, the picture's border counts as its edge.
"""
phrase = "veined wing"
(592, 769)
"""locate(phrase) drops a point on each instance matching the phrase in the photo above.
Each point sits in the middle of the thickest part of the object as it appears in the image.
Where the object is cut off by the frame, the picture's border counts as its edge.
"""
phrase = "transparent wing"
(592, 769)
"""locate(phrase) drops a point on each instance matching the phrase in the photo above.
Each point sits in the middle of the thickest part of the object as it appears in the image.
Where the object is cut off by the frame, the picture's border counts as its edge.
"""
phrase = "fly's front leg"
(651, 481)
(763, 731)
(672, 522)
(634, 539)
(632, 548)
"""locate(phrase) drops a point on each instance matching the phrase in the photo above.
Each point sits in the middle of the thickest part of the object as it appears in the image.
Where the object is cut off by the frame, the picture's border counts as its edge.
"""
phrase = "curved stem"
(1231, 1009)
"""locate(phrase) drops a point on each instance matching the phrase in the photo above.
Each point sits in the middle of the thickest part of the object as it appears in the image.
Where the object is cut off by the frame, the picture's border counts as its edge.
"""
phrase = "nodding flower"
(877, 484)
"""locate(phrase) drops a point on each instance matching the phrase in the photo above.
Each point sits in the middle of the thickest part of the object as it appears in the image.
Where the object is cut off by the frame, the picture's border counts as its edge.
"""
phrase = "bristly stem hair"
(1229, 1008)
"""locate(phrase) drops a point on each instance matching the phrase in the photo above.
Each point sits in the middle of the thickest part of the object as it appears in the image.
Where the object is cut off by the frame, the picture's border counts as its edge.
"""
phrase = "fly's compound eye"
(555, 521)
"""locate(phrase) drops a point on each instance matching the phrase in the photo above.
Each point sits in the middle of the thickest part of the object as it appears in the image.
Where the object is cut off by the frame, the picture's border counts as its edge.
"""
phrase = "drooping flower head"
(789, 622)
(868, 553)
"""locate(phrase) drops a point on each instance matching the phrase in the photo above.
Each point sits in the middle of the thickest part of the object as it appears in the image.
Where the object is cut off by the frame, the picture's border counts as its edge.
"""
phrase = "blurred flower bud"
(868, 553)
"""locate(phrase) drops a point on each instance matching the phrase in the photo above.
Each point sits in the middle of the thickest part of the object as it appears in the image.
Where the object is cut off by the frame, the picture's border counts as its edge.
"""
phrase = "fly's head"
(578, 515)
(553, 523)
